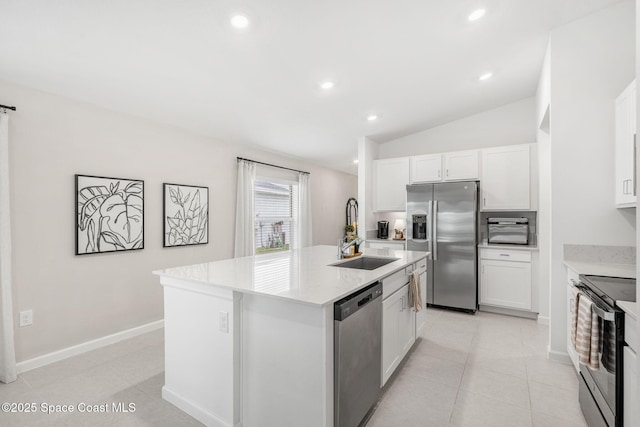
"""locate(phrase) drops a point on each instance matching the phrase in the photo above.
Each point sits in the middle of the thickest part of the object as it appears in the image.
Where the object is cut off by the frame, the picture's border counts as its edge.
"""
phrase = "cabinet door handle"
(505, 255)
(484, 202)
(439, 173)
(447, 172)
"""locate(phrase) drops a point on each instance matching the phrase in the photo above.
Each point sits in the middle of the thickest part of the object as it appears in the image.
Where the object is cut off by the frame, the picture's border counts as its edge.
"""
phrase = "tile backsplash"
(600, 254)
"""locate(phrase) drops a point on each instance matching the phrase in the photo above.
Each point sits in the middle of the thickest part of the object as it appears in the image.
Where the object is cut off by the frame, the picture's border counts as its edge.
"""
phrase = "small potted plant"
(349, 230)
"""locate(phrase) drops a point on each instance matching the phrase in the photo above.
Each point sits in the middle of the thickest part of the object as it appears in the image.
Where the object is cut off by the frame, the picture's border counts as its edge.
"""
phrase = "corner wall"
(80, 298)
(507, 125)
(592, 60)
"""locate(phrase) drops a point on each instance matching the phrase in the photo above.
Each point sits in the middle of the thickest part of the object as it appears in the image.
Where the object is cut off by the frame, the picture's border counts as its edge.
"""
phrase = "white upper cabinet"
(426, 168)
(461, 165)
(625, 147)
(506, 180)
(391, 179)
(456, 166)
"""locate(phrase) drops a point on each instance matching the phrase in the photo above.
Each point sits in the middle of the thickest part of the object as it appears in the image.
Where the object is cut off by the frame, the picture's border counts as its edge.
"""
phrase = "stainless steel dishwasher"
(357, 354)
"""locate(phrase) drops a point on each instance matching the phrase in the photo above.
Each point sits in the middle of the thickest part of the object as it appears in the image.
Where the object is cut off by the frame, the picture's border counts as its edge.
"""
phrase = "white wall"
(544, 186)
(592, 61)
(637, 74)
(367, 153)
(507, 125)
(80, 298)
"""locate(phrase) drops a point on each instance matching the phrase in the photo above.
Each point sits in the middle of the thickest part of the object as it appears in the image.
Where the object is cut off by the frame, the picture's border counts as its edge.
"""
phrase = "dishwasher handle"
(365, 300)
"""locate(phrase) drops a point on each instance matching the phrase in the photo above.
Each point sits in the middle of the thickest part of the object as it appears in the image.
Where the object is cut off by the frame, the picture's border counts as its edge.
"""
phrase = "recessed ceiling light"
(485, 76)
(327, 84)
(239, 21)
(372, 117)
(476, 14)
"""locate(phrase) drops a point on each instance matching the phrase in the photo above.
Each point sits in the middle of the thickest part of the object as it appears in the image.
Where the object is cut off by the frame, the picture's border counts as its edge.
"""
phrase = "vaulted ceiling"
(413, 63)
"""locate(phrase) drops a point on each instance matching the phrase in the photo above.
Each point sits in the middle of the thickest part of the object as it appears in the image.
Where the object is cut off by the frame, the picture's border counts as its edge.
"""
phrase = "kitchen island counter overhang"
(249, 341)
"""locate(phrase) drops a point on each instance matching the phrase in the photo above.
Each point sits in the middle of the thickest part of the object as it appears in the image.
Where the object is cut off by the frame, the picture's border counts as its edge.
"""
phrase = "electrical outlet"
(26, 318)
(224, 322)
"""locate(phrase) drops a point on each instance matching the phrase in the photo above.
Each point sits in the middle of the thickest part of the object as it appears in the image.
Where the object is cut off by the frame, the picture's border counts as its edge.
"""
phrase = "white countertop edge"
(203, 287)
(631, 308)
(192, 284)
(602, 269)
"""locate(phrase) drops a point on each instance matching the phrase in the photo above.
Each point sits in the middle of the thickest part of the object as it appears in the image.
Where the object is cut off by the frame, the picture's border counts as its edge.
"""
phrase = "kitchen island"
(249, 341)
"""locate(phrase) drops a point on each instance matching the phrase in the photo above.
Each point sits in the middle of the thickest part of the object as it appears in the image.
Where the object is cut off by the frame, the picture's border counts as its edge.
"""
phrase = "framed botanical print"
(109, 214)
(186, 215)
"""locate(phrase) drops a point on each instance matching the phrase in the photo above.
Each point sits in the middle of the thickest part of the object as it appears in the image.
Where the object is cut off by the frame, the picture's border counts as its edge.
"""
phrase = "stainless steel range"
(601, 390)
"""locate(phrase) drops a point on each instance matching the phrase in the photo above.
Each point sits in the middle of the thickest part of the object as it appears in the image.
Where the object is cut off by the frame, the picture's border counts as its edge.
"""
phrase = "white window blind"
(276, 215)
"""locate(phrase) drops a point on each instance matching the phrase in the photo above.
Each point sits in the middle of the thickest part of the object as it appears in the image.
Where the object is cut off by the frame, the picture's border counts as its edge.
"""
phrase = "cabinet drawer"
(631, 332)
(395, 281)
(506, 255)
(420, 266)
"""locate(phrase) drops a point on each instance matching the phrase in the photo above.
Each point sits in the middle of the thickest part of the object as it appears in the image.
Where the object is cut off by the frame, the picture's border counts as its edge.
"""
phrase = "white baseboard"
(543, 320)
(559, 356)
(75, 350)
(194, 410)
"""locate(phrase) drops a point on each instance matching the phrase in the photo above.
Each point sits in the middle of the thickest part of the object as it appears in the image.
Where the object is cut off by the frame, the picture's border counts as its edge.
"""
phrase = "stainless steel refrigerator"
(442, 218)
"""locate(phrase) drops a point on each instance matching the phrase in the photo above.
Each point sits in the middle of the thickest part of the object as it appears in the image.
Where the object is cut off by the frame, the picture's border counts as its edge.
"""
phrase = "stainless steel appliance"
(383, 229)
(513, 231)
(600, 391)
(357, 354)
(443, 219)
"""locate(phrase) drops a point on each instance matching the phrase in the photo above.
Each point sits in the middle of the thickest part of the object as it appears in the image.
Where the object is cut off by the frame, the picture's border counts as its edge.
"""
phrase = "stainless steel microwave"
(513, 231)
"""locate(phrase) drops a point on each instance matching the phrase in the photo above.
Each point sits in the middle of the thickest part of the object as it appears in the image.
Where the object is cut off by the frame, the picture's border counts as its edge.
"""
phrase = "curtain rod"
(6, 107)
(273, 166)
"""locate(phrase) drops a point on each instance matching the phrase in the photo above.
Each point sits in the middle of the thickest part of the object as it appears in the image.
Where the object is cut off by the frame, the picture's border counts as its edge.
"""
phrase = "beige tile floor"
(482, 370)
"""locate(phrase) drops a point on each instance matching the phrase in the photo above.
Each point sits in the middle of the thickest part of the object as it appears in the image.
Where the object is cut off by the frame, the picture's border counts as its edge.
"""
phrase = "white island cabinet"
(249, 341)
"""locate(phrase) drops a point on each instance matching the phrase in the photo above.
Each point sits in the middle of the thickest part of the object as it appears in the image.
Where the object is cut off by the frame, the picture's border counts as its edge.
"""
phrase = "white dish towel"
(415, 296)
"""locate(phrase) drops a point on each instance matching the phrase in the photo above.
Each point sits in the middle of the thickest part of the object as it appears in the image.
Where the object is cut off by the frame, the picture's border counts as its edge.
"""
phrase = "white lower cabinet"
(505, 279)
(631, 414)
(630, 392)
(398, 330)
(421, 316)
(572, 277)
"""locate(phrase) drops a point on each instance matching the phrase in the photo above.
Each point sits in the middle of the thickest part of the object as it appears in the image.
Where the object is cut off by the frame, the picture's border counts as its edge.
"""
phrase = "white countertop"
(485, 245)
(603, 269)
(303, 275)
(629, 307)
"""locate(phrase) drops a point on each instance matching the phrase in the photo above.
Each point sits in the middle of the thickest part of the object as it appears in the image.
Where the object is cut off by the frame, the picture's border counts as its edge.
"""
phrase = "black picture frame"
(185, 215)
(100, 203)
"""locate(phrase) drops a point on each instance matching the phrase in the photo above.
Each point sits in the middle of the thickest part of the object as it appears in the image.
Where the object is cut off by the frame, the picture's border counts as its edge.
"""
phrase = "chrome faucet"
(342, 246)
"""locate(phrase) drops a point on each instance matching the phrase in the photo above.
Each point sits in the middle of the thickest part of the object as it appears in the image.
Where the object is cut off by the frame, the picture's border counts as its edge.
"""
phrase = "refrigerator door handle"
(430, 226)
(435, 230)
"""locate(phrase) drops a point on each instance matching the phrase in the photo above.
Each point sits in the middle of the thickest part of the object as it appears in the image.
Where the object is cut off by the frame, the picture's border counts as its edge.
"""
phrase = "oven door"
(605, 383)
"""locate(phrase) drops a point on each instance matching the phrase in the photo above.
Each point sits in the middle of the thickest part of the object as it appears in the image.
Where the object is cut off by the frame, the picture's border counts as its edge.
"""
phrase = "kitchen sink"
(365, 263)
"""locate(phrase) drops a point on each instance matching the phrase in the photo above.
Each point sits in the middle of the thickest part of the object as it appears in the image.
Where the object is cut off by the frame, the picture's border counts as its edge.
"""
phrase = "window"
(276, 215)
